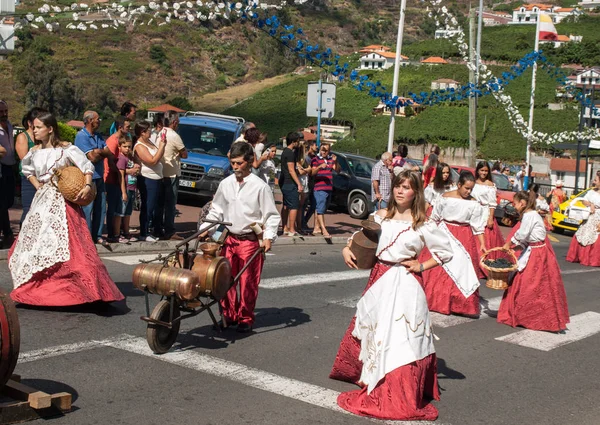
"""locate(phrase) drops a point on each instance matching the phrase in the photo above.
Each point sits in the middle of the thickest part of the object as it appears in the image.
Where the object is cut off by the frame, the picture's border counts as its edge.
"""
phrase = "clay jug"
(364, 244)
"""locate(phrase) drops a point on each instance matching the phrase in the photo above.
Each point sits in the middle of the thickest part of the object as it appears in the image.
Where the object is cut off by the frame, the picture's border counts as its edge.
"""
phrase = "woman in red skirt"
(536, 298)
(388, 347)
(585, 245)
(454, 288)
(54, 261)
(485, 192)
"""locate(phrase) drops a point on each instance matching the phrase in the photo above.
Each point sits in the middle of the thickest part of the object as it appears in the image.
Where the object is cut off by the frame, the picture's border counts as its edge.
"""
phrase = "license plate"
(572, 221)
(187, 183)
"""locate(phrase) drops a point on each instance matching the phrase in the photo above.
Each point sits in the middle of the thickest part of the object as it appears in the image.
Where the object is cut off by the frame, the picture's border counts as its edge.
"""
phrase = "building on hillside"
(561, 91)
(589, 4)
(401, 111)
(444, 84)
(564, 169)
(333, 133)
(528, 13)
(434, 60)
(162, 109)
(381, 60)
(562, 39)
(589, 77)
(493, 19)
(444, 33)
(374, 48)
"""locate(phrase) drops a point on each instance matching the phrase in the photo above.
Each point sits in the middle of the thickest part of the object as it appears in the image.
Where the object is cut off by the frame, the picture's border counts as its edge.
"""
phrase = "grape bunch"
(500, 263)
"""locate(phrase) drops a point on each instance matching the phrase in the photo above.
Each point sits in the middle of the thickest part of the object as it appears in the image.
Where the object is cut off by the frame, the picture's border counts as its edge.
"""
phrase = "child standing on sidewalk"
(128, 170)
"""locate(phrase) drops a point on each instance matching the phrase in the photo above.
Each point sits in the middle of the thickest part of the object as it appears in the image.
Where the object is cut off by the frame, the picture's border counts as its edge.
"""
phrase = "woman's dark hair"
(403, 151)
(466, 176)
(140, 127)
(529, 196)
(438, 180)
(418, 207)
(32, 114)
(497, 166)
(49, 120)
(432, 162)
(268, 146)
(252, 136)
(483, 164)
(242, 149)
(435, 149)
(158, 120)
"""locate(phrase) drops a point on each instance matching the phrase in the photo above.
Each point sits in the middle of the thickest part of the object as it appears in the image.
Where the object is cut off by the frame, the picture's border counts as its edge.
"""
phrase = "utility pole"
(472, 101)
(390, 146)
(581, 119)
(478, 54)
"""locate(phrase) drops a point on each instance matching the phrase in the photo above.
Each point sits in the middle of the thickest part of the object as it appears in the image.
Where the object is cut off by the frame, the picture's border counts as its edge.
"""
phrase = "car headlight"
(216, 172)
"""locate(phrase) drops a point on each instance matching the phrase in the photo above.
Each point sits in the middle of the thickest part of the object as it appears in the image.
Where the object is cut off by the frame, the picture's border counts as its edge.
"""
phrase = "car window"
(501, 181)
(206, 140)
(361, 167)
(343, 164)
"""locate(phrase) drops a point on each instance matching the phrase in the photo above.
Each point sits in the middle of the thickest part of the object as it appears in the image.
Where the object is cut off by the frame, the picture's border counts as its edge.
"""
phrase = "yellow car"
(572, 214)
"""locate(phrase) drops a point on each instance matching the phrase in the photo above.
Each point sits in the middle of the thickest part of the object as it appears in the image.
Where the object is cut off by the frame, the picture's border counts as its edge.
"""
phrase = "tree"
(181, 102)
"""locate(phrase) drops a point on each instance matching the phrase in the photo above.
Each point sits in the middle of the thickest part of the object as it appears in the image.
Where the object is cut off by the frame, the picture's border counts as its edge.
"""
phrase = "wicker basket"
(498, 278)
(69, 181)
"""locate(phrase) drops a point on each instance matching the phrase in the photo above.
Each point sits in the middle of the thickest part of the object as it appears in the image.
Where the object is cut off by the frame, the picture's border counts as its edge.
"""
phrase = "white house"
(528, 13)
(444, 84)
(564, 169)
(562, 39)
(589, 4)
(161, 109)
(492, 19)
(381, 60)
(588, 77)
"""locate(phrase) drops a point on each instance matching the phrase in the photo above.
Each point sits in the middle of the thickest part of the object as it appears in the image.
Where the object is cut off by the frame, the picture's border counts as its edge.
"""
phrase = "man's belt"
(244, 236)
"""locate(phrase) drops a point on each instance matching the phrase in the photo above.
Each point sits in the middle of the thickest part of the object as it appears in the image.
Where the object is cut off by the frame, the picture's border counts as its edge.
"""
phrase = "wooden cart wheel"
(10, 339)
(160, 338)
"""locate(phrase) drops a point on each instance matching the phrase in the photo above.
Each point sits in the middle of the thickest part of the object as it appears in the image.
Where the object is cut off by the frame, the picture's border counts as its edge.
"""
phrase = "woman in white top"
(485, 192)
(442, 183)
(150, 178)
(536, 298)
(585, 245)
(454, 288)
(54, 261)
(303, 169)
(388, 347)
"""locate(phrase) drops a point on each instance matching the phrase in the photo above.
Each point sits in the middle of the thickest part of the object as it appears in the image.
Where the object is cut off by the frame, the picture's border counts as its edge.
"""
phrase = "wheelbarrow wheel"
(160, 338)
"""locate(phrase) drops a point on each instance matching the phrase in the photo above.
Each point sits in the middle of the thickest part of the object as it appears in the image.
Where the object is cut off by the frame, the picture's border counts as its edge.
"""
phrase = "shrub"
(66, 133)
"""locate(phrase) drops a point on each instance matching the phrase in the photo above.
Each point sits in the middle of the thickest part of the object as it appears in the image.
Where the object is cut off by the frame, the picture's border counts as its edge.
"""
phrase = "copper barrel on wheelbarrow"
(9, 338)
(214, 271)
(161, 280)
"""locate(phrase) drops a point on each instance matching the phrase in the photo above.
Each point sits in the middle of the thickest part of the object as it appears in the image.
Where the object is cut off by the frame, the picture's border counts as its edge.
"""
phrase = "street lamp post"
(390, 146)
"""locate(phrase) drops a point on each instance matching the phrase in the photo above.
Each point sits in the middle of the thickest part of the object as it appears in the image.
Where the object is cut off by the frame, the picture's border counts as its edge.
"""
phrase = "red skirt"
(536, 298)
(443, 296)
(402, 395)
(493, 237)
(585, 255)
(83, 279)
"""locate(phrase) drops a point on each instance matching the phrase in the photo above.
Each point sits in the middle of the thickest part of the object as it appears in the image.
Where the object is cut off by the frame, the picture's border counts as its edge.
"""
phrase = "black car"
(352, 185)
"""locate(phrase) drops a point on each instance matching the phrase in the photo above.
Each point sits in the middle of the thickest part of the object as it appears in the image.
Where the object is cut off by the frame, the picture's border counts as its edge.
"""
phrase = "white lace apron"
(587, 234)
(393, 325)
(44, 237)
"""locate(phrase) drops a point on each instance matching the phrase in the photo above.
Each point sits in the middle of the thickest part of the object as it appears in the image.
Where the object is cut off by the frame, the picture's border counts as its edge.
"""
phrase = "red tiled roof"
(376, 47)
(563, 38)
(565, 9)
(531, 6)
(434, 59)
(308, 136)
(166, 107)
(76, 124)
(566, 164)
(391, 55)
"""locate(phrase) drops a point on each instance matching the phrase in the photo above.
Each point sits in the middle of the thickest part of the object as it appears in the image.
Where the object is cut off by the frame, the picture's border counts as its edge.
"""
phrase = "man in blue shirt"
(96, 150)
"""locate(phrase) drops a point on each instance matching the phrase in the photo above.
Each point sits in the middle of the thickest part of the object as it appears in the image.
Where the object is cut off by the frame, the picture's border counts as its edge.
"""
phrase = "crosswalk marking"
(309, 279)
(577, 271)
(131, 260)
(582, 326)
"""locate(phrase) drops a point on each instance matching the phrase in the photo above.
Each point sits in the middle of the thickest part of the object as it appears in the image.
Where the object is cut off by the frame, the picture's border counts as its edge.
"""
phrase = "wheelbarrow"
(190, 280)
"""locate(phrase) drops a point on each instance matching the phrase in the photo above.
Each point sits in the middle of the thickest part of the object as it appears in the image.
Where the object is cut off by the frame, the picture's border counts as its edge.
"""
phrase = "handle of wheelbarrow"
(212, 223)
(261, 250)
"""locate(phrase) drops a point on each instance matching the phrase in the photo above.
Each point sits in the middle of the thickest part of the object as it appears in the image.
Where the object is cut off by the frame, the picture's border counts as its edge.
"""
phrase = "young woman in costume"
(585, 245)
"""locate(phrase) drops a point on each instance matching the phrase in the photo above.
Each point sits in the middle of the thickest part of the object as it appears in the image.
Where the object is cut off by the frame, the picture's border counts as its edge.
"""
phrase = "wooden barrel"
(10, 338)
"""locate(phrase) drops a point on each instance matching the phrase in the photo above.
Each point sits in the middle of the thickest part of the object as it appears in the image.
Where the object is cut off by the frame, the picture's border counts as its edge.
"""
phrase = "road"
(489, 373)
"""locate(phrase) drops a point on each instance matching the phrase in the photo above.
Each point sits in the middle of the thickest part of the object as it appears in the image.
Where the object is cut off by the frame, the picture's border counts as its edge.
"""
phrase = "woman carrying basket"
(485, 192)
(454, 288)
(388, 347)
(536, 298)
(54, 261)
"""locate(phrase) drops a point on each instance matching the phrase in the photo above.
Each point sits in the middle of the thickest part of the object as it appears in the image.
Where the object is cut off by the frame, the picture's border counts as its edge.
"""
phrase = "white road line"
(590, 270)
(582, 326)
(309, 279)
(59, 350)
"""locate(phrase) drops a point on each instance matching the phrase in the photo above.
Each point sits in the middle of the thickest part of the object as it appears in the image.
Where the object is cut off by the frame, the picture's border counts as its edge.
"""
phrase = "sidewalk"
(340, 226)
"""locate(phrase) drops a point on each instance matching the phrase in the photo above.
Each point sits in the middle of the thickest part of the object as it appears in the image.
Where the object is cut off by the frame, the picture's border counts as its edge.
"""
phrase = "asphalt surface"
(279, 373)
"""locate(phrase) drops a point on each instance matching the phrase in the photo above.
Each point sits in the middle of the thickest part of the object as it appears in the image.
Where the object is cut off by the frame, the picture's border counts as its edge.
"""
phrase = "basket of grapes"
(498, 263)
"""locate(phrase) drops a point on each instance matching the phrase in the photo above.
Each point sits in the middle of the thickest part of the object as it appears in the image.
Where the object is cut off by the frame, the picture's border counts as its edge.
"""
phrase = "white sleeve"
(271, 217)
(438, 208)
(542, 205)
(491, 197)
(436, 241)
(478, 219)
(27, 164)
(79, 159)
(521, 236)
(429, 192)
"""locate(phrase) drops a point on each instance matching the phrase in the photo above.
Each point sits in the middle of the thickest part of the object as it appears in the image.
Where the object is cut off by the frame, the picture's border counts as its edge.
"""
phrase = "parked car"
(572, 214)
(505, 210)
(352, 185)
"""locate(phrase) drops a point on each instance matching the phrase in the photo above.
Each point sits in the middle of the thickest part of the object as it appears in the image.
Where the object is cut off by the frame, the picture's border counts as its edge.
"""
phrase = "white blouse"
(532, 229)
(41, 163)
(485, 195)
(541, 205)
(593, 196)
(432, 194)
(411, 242)
(458, 210)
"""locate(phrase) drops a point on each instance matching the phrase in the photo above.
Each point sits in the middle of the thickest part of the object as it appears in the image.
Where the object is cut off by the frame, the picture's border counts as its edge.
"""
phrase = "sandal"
(314, 233)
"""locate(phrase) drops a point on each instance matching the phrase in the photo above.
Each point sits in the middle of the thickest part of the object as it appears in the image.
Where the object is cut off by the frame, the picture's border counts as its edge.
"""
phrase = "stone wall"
(452, 156)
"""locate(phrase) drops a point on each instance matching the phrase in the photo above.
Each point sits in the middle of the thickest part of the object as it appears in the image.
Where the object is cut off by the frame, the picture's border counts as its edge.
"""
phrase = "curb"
(162, 246)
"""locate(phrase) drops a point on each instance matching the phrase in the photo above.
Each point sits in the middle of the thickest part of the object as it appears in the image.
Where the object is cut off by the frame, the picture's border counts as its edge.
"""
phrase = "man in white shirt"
(243, 199)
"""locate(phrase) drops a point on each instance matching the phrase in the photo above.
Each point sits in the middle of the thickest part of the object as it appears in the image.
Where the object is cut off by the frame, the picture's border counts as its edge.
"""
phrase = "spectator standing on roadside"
(520, 178)
(111, 178)
(304, 170)
(435, 149)
(128, 110)
(311, 153)
(322, 168)
(158, 123)
(7, 174)
(267, 167)
(429, 168)
(94, 147)
(128, 171)
(174, 151)
(245, 127)
(290, 185)
(497, 168)
(381, 182)
(23, 143)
